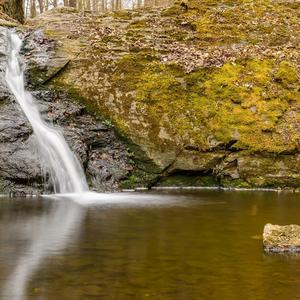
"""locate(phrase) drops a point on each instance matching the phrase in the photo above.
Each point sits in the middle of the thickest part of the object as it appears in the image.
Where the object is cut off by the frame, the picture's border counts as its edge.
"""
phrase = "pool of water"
(168, 245)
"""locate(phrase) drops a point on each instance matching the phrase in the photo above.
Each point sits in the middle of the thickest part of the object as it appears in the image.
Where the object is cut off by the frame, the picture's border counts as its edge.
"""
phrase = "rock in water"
(278, 238)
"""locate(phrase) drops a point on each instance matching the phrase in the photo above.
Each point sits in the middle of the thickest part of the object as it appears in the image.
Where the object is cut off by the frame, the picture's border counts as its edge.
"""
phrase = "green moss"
(154, 84)
(244, 102)
(226, 22)
(139, 178)
(234, 183)
(181, 180)
(287, 75)
(230, 102)
(130, 183)
(122, 14)
(137, 24)
(131, 66)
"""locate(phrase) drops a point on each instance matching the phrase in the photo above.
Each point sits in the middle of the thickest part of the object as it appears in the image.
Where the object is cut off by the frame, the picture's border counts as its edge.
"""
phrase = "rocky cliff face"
(209, 90)
(18, 168)
(203, 93)
(103, 155)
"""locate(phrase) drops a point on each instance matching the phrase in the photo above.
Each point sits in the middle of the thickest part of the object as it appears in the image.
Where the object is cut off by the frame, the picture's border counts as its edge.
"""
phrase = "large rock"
(104, 157)
(193, 103)
(281, 238)
(19, 166)
(197, 99)
(19, 169)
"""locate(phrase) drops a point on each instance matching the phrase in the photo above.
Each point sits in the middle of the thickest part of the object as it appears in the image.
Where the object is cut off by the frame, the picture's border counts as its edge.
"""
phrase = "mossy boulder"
(209, 87)
(278, 238)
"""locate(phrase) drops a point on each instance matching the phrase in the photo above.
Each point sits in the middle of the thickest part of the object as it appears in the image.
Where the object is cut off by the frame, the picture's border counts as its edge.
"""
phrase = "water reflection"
(159, 246)
(46, 235)
(123, 199)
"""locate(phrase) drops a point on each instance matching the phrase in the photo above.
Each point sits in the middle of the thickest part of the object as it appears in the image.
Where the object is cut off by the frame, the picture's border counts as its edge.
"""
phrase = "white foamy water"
(129, 199)
(64, 168)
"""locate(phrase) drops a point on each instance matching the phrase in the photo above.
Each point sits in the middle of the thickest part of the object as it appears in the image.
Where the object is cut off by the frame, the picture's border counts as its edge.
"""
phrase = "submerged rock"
(278, 238)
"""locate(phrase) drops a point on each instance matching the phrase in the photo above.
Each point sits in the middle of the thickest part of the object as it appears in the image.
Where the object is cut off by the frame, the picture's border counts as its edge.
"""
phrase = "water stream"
(60, 162)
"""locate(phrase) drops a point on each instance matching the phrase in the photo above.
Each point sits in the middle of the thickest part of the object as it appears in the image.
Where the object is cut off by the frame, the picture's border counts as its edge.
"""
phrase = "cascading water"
(64, 168)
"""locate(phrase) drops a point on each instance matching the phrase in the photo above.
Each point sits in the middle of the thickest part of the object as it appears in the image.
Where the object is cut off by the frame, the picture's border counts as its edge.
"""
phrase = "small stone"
(278, 238)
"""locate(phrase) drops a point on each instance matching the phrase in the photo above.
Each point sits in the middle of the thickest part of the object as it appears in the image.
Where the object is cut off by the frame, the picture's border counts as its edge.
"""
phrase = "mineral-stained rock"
(278, 238)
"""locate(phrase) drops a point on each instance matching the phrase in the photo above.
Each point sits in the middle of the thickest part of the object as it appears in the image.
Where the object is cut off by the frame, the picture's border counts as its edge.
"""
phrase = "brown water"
(159, 246)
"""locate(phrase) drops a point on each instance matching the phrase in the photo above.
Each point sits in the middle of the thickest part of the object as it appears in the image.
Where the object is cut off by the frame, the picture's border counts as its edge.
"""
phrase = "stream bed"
(159, 245)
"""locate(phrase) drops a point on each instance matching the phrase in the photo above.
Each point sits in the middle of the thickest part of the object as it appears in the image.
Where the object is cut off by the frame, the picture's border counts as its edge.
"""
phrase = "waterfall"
(64, 168)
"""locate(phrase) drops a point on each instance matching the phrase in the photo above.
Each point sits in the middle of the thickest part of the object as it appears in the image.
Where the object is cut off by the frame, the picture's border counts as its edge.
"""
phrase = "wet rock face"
(102, 155)
(19, 168)
(41, 60)
(281, 238)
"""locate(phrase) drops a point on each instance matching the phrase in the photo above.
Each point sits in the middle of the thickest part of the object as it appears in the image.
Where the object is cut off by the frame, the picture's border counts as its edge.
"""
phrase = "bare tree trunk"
(72, 3)
(95, 5)
(14, 8)
(80, 5)
(27, 9)
(55, 3)
(41, 6)
(103, 5)
(32, 8)
(139, 3)
(88, 4)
